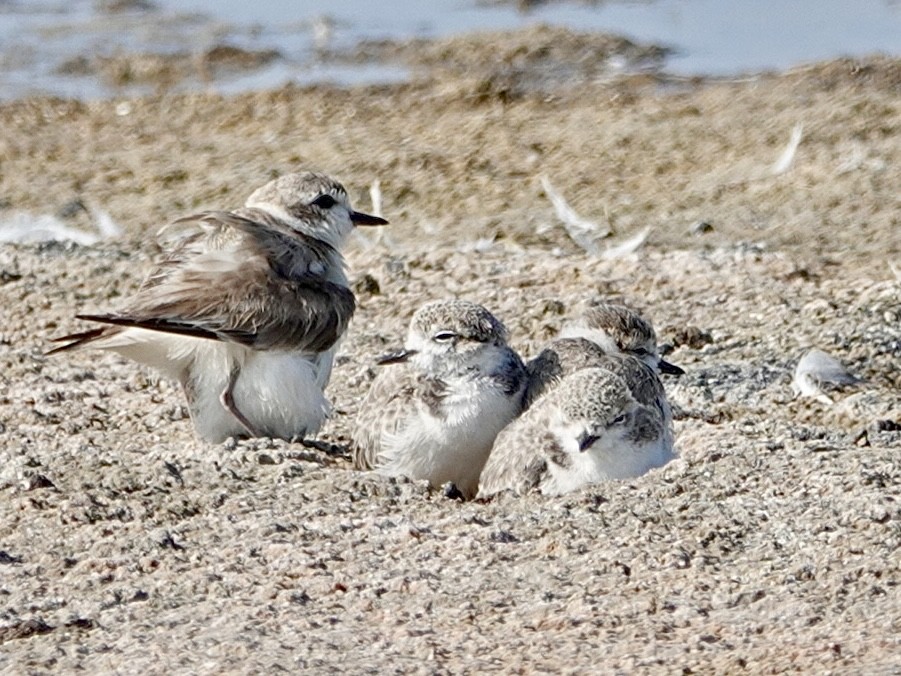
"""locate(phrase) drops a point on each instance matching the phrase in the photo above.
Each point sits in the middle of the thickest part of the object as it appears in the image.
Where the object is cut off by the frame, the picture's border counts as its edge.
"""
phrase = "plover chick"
(246, 309)
(561, 357)
(435, 409)
(564, 356)
(618, 328)
(585, 430)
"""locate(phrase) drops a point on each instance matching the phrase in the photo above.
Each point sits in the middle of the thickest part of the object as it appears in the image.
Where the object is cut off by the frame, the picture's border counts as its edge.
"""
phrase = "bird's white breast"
(453, 447)
(615, 458)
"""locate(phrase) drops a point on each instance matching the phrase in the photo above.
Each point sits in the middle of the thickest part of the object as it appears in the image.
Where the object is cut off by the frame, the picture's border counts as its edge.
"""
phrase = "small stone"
(888, 426)
(71, 209)
(552, 306)
(503, 537)
(700, 227)
(25, 629)
(367, 285)
(451, 492)
(7, 558)
(81, 623)
(691, 336)
(37, 481)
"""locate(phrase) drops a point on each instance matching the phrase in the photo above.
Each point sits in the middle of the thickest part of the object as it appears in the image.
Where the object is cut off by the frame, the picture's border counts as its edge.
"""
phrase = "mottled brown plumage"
(608, 336)
(588, 428)
(565, 356)
(385, 407)
(620, 329)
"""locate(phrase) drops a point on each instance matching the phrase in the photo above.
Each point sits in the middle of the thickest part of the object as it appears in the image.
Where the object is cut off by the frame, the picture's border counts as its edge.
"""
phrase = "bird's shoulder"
(209, 241)
(558, 360)
(511, 374)
(643, 382)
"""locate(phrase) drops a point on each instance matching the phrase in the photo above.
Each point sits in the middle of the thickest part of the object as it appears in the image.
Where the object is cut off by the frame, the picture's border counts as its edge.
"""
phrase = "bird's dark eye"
(444, 336)
(324, 201)
(619, 420)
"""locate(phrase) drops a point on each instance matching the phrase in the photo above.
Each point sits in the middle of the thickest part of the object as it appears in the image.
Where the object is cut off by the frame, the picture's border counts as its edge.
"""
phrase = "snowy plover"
(618, 328)
(434, 413)
(246, 309)
(587, 429)
(565, 356)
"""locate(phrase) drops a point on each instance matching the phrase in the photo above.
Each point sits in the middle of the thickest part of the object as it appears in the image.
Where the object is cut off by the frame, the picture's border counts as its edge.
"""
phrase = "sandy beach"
(770, 545)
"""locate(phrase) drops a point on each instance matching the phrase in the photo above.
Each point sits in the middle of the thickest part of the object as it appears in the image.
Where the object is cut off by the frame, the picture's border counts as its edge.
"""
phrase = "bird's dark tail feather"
(166, 326)
(75, 340)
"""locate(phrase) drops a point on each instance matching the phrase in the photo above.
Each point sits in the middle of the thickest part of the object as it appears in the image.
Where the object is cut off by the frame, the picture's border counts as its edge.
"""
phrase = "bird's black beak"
(586, 440)
(359, 218)
(396, 357)
(670, 369)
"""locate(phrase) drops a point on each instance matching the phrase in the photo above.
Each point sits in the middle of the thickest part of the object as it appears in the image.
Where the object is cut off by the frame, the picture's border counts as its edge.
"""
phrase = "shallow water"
(716, 37)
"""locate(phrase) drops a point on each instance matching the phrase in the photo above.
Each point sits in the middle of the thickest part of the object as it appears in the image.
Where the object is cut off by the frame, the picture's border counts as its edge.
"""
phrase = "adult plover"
(246, 309)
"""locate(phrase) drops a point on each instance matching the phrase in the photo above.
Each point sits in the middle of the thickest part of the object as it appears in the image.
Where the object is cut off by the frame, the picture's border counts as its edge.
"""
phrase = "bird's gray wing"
(390, 396)
(562, 357)
(543, 373)
(220, 284)
(395, 396)
(643, 382)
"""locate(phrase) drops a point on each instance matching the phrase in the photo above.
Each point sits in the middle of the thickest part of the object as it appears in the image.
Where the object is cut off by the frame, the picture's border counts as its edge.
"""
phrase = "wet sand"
(770, 545)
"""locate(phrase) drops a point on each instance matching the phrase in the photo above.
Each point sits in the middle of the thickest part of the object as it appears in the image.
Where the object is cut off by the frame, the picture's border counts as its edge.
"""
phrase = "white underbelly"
(280, 393)
(622, 461)
(453, 448)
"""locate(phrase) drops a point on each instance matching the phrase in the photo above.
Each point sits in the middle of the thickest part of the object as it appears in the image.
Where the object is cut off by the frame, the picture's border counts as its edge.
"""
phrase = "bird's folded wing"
(522, 452)
(218, 282)
(248, 306)
(195, 237)
(256, 223)
(382, 412)
(207, 221)
(396, 397)
(517, 462)
(642, 380)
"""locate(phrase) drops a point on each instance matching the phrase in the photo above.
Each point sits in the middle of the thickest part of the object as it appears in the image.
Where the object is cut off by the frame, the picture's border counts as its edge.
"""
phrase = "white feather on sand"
(22, 227)
(896, 271)
(817, 368)
(378, 236)
(627, 247)
(785, 160)
(583, 232)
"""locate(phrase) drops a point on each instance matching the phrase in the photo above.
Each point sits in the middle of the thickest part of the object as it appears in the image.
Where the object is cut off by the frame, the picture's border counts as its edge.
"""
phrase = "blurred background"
(100, 48)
